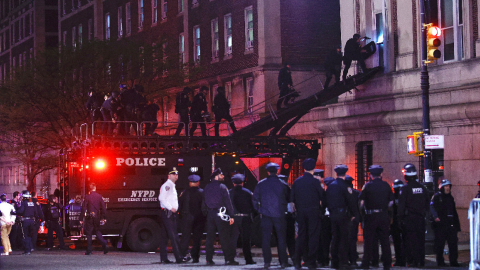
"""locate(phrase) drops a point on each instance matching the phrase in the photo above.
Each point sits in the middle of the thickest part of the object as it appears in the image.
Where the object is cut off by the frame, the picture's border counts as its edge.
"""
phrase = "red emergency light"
(100, 164)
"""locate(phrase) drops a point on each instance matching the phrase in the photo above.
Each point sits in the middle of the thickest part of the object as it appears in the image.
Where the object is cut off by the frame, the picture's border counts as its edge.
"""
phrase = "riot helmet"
(26, 194)
(444, 182)
(397, 183)
(410, 172)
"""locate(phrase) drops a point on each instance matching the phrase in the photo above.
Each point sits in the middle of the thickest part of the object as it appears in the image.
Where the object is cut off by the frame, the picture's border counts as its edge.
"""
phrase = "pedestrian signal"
(415, 144)
(433, 42)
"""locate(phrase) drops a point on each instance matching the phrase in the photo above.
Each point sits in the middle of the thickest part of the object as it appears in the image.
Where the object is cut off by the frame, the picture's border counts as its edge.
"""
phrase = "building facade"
(370, 126)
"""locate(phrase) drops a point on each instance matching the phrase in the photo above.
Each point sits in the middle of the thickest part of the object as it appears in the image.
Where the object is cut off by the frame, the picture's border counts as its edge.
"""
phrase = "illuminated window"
(181, 48)
(249, 28)
(215, 39)
(450, 13)
(164, 9)
(196, 43)
(249, 90)
(227, 26)
(107, 26)
(141, 17)
(154, 11)
(120, 22)
(128, 19)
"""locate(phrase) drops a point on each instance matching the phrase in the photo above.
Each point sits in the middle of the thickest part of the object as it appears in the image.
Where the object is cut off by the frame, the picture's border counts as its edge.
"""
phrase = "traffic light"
(415, 144)
(433, 42)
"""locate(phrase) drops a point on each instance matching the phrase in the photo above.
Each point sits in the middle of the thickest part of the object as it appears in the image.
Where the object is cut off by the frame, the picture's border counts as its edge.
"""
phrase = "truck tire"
(143, 235)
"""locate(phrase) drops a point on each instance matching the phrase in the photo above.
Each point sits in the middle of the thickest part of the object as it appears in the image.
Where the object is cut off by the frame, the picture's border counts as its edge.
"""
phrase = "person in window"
(221, 109)
(355, 51)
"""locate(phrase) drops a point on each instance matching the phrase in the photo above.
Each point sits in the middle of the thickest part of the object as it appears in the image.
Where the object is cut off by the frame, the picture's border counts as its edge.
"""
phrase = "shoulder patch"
(30, 204)
(350, 190)
(167, 188)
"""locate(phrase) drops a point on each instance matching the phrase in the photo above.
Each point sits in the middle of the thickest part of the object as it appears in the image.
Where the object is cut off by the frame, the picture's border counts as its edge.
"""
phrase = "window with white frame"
(450, 13)
(164, 9)
(215, 39)
(154, 11)
(90, 29)
(181, 48)
(249, 28)
(120, 22)
(107, 26)
(80, 35)
(249, 90)
(74, 36)
(128, 19)
(196, 44)
(141, 17)
(227, 26)
(180, 6)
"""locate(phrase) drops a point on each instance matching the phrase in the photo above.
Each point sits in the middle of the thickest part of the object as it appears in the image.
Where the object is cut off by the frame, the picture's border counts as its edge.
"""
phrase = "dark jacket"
(28, 209)
(190, 202)
(284, 78)
(307, 193)
(54, 212)
(182, 102)
(150, 112)
(339, 199)
(199, 104)
(352, 49)
(413, 200)
(377, 195)
(241, 200)
(270, 197)
(334, 60)
(216, 196)
(94, 204)
(443, 207)
(221, 105)
(94, 102)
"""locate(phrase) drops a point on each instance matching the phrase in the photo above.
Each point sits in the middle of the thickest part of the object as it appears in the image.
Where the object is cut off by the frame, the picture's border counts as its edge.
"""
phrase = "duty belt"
(29, 218)
(242, 215)
(373, 211)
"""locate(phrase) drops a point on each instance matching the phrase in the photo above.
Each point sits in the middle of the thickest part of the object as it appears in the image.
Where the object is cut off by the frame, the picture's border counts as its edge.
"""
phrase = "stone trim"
(357, 16)
(415, 33)
(475, 25)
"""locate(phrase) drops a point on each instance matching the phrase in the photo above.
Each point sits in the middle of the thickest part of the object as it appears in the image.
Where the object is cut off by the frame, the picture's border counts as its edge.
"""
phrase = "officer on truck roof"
(169, 204)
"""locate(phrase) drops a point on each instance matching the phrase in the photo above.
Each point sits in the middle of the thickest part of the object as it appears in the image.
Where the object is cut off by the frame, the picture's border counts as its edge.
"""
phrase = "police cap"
(309, 164)
(445, 182)
(341, 169)
(173, 171)
(328, 180)
(194, 178)
(397, 183)
(319, 172)
(348, 178)
(272, 167)
(238, 178)
(375, 170)
(216, 172)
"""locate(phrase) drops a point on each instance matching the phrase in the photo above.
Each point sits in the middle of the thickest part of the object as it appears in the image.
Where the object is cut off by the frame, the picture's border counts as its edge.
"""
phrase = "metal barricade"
(474, 217)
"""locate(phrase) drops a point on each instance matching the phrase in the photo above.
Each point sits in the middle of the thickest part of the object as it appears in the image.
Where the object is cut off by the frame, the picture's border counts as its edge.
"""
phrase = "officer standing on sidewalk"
(445, 223)
(308, 198)
(398, 235)
(413, 203)
(219, 217)
(242, 205)
(40, 219)
(377, 198)
(270, 199)
(192, 218)
(341, 208)
(94, 211)
(28, 211)
(353, 225)
(169, 203)
(53, 222)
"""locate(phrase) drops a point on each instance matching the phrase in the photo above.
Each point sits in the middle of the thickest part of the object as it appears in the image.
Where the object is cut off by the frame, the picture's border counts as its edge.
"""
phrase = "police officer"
(181, 108)
(169, 205)
(242, 206)
(341, 208)
(16, 234)
(199, 108)
(29, 213)
(150, 115)
(221, 109)
(333, 65)
(94, 211)
(445, 223)
(323, 257)
(353, 225)
(353, 51)
(413, 203)
(113, 112)
(192, 217)
(308, 197)
(377, 198)
(285, 85)
(290, 221)
(219, 217)
(128, 98)
(398, 235)
(40, 219)
(74, 212)
(53, 218)
(270, 199)
(94, 103)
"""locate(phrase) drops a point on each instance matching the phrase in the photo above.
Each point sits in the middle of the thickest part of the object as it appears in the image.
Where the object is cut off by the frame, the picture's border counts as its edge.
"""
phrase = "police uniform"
(413, 203)
(242, 206)
(290, 221)
(94, 103)
(41, 218)
(199, 105)
(29, 213)
(221, 109)
(377, 197)
(308, 197)
(181, 107)
(168, 200)
(323, 255)
(192, 218)
(341, 208)
(396, 231)
(217, 201)
(74, 212)
(16, 234)
(53, 223)
(353, 225)
(445, 224)
(94, 211)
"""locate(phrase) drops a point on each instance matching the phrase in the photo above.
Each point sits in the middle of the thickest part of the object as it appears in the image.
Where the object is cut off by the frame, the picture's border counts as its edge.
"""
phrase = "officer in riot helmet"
(270, 199)
(221, 108)
(128, 98)
(53, 219)
(398, 235)
(220, 217)
(112, 111)
(198, 110)
(192, 218)
(333, 65)
(181, 108)
(242, 206)
(413, 203)
(94, 103)
(446, 223)
(29, 213)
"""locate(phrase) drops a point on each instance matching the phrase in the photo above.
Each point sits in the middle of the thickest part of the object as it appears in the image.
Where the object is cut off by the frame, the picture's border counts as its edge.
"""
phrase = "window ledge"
(248, 51)
(215, 60)
(154, 24)
(228, 56)
(164, 20)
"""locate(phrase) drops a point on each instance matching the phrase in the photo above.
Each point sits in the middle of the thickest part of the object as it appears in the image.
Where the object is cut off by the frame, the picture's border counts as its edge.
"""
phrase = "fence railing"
(474, 217)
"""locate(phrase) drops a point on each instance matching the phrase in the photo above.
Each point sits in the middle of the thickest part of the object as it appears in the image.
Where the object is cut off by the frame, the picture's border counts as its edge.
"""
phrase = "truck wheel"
(143, 235)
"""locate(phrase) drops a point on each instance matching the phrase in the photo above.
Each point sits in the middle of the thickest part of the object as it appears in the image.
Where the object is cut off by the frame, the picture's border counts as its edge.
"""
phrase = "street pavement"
(76, 259)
